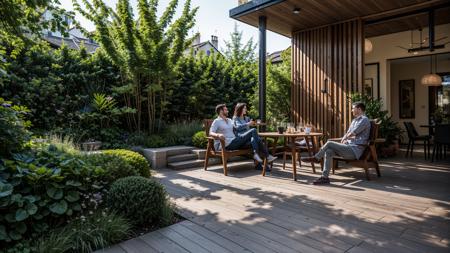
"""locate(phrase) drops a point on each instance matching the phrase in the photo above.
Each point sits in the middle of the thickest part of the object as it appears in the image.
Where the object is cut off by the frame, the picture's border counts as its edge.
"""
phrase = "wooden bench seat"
(224, 154)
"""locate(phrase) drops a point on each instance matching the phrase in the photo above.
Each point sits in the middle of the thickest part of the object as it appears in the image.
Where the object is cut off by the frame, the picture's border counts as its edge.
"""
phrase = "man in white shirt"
(222, 128)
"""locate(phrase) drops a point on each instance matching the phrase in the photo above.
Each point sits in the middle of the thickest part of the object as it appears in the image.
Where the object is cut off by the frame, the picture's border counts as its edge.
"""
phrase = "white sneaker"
(271, 158)
(257, 158)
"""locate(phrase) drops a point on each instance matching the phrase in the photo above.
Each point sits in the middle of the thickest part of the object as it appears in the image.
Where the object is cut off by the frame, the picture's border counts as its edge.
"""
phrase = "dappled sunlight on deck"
(406, 210)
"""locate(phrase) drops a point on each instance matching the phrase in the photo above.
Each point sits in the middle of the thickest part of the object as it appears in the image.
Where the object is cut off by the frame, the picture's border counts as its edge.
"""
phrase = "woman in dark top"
(242, 124)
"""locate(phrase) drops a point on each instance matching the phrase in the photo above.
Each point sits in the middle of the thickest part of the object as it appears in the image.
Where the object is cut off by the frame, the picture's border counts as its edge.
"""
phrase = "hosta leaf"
(31, 208)
(15, 235)
(72, 196)
(30, 198)
(21, 215)
(73, 183)
(5, 190)
(55, 193)
(59, 207)
(16, 197)
(4, 202)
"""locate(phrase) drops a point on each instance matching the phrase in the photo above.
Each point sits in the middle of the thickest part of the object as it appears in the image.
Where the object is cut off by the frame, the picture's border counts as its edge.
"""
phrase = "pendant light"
(432, 79)
(368, 47)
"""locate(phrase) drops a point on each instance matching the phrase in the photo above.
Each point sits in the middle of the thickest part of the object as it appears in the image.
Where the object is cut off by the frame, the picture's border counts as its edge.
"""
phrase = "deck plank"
(162, 243)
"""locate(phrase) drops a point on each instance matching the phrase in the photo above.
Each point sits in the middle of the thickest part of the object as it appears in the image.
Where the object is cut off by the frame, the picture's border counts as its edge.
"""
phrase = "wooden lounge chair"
(224, 154)
(369, 158)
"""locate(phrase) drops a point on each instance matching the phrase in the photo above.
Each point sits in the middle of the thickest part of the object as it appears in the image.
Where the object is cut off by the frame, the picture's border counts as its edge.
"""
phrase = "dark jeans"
(249, 138)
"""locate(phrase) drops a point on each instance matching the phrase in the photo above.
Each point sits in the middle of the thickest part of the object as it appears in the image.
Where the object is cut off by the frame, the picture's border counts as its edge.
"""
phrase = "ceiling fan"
(422, 45)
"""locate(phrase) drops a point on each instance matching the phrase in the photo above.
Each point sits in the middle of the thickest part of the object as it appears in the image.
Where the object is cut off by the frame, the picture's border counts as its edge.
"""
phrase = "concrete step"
(178, 150)
(200, 153)
(186, 164)
(183, 157)
(201, 162)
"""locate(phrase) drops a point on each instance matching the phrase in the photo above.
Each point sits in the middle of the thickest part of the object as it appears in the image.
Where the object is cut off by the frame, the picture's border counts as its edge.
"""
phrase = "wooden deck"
(406, 210)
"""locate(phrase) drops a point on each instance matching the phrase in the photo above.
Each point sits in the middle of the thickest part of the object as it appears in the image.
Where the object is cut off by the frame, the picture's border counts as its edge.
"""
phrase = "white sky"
(212, 19)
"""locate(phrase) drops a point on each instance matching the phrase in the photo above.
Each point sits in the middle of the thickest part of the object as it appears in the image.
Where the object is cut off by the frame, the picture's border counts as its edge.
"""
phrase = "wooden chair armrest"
(335, 139)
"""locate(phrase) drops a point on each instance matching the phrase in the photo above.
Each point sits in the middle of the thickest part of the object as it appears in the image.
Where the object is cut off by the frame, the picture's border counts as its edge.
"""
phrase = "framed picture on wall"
(407, 99)
(372, 71)
(368, 87)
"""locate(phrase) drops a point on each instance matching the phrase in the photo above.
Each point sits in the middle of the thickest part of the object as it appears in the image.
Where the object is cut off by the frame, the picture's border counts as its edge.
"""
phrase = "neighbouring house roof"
(73, 42)
(309, 14)
(275, 57)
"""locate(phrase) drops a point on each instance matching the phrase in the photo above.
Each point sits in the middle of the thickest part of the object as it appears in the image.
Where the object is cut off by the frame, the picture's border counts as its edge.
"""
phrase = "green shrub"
(115, 166)
(139, 199)
(181, 133)
(155, 141)
(43, 188)
(136, 160)
(86, 234)
(199, 139)
(13, 132)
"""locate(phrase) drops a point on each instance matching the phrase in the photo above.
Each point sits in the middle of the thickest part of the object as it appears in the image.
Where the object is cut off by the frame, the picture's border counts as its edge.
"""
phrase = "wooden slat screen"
(332, 55)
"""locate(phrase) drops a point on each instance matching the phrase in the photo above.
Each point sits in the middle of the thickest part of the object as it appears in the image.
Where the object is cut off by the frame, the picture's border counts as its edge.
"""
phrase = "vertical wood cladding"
(329, 58)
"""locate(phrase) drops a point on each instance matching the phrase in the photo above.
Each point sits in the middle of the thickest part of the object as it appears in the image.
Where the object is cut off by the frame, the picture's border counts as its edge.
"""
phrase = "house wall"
(386, 47)
(207, 47)
(414, 70)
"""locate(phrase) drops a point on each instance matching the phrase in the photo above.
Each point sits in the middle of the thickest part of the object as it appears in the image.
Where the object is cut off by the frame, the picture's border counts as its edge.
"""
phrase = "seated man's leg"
(339, 149)
(242, 140)
(327, 162)
(327, 152)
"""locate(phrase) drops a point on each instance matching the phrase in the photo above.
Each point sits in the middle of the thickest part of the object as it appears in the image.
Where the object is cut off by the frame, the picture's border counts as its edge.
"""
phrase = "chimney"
(196, 39)
(215, 41)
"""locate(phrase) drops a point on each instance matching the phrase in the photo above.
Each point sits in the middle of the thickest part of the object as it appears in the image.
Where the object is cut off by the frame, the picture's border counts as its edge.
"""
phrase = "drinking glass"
(307, 130)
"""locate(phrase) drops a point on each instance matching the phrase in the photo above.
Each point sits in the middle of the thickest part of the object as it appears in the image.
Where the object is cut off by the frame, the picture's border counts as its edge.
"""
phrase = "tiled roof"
(73, 43)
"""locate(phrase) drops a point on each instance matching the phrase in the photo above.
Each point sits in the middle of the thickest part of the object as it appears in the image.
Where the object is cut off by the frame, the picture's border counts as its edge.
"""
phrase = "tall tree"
(146, 50)
(237, 51)
(278, 90)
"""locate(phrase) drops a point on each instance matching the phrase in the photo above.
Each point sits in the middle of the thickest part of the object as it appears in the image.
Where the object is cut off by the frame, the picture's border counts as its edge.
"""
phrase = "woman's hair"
(238, 109)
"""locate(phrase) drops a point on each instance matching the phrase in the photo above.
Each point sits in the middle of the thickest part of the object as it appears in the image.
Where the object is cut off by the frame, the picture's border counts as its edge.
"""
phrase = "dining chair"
(413, 136)
(441, 140)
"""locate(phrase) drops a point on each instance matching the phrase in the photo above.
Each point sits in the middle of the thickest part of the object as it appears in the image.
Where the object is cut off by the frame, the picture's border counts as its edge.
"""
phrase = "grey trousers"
(331, 149)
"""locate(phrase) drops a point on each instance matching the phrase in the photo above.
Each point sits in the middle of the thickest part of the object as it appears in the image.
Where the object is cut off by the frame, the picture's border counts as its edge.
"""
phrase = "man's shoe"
(257, 158)
(311, 159)
(271, 158)
(322, 180)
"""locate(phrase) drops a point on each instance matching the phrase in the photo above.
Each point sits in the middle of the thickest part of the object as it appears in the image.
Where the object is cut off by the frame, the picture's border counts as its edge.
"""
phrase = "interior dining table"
(290, 146)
